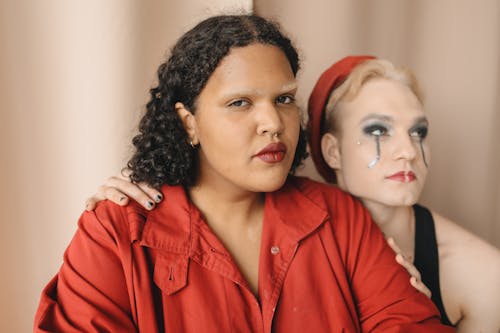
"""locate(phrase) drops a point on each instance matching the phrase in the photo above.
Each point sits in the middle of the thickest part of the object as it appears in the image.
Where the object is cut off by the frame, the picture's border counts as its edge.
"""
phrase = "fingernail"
(122, 198)
(158, 197)
(149, 204)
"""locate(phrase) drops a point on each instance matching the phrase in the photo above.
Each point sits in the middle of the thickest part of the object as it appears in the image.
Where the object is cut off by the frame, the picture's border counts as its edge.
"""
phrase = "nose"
(269, 120)
(405, 147)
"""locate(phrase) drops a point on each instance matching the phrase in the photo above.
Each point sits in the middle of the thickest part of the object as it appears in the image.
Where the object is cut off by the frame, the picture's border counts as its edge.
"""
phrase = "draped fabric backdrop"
(74, 78)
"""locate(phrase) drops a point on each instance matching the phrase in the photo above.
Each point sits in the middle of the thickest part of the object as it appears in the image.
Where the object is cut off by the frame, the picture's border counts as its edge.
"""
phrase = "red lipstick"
(272, 153)
(403, 176)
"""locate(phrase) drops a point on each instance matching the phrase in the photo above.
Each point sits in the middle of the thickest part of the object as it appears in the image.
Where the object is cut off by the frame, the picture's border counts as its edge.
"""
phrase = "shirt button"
(275, 250)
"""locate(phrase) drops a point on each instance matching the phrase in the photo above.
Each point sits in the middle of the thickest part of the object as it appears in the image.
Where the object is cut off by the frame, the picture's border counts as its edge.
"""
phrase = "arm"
(469, 271)
(90, 292)
(480, 294)
(119, 189)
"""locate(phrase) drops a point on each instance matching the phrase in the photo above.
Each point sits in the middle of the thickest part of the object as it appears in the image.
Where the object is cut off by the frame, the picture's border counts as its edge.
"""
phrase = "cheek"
(354, 166)
(359, 156)
(426, 152)
(219, 140)
(215, 127)
(293, 124)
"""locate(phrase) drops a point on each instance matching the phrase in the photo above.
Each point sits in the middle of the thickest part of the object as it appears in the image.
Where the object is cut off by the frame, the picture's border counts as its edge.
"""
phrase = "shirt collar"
(297, 208)
(159, 231)
(298, 212)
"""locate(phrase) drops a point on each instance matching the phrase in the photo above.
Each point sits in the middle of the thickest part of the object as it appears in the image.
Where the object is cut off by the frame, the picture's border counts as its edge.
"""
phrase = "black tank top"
(426, 256)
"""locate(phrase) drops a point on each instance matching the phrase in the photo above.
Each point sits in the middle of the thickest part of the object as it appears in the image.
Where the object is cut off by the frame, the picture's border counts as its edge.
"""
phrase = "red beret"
(327, 82)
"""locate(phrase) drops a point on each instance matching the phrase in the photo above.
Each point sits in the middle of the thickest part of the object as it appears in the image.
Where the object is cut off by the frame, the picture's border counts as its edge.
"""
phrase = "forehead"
(257, 65)
(382, 97)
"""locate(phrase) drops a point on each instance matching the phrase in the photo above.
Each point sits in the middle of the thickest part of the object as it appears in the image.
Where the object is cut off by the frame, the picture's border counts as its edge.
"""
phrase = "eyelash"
(378, 130)
(419, 132)
(238, 103)
(375, 130)
(291, 99)
(279, 100)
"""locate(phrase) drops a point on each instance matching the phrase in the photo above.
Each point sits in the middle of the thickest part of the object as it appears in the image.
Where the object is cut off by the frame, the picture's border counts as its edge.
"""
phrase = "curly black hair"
(163, 154)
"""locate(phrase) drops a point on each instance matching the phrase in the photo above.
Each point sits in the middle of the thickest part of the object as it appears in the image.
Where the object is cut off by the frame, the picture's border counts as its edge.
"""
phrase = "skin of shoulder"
(469, 270)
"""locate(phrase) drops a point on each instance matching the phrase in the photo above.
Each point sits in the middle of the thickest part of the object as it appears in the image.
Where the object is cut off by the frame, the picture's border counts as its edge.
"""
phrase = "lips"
(272, 153)
(403, 176)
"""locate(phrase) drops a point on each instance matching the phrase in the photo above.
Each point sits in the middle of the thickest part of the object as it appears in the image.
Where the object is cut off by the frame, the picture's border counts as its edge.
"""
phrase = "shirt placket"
(278, 258)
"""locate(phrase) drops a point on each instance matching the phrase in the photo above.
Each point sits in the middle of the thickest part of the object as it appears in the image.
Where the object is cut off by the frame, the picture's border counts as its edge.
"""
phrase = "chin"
(269, 184)
(402, 200)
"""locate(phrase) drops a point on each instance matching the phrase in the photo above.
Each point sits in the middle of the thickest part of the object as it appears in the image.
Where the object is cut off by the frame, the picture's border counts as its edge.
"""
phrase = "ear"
(330, 149)
(188, 121)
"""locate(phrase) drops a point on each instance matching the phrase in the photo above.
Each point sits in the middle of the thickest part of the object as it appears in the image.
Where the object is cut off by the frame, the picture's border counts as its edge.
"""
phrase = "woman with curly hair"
(240, 245)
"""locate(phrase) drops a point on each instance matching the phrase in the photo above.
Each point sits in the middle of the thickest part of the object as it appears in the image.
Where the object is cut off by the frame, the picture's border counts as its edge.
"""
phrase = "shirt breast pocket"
(170, 273)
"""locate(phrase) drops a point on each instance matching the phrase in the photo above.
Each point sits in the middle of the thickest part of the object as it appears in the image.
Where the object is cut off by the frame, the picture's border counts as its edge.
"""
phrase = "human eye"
(377, 130)
(238, 103)
(419, 131)
(285, 99)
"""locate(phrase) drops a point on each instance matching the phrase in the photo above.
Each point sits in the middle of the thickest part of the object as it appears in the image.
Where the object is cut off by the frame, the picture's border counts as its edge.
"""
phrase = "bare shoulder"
(469, 276)
(453, 240)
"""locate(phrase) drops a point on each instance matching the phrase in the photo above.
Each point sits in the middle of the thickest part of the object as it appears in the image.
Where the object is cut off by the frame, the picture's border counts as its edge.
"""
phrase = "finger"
(91, 203)
(420, 286)
(130, 190)
(412, 270)
(154, 194)
(115, 195)
(393, 245)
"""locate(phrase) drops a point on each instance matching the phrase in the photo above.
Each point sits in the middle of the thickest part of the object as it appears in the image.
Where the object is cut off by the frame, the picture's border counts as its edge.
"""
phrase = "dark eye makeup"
(419, 131)
(375, 130)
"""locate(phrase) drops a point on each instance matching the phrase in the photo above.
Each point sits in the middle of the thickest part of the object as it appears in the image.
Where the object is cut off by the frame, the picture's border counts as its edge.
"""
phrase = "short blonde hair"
(362, 73)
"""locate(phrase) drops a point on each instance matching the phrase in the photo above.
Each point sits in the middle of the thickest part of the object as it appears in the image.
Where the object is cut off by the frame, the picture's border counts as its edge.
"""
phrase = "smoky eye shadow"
(370, 128)
(422, 129)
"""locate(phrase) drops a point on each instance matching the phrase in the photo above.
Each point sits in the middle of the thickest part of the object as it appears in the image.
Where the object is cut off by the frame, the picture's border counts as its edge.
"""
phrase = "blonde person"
(241, 245)
(368, 134)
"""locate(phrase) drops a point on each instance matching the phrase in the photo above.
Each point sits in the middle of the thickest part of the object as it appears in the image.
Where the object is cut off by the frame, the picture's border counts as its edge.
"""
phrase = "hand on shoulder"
(120, 189)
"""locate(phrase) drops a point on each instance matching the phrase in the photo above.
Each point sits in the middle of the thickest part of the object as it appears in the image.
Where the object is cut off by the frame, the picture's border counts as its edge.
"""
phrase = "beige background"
(74, 77)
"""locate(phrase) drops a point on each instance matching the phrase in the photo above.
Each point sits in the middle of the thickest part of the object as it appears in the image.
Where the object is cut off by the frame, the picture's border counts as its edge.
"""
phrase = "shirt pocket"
(170, 273)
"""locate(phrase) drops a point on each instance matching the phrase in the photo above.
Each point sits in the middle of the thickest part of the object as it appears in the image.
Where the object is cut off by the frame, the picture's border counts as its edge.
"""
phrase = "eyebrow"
(288, 87)
(389, 119)
(376, 116)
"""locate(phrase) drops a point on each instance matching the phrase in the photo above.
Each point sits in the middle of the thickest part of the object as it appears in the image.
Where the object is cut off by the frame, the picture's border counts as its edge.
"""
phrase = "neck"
(226, 205)
(397, 222)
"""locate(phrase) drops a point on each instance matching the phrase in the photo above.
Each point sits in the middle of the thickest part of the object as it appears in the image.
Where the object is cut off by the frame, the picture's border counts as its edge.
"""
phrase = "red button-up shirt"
(324, 267)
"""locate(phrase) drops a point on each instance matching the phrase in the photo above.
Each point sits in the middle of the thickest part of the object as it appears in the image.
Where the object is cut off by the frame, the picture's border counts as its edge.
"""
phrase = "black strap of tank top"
(427, 257)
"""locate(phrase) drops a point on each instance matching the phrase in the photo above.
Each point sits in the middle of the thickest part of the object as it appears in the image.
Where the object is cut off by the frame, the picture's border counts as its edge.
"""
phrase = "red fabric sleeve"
(89, 294)
(385, 299)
